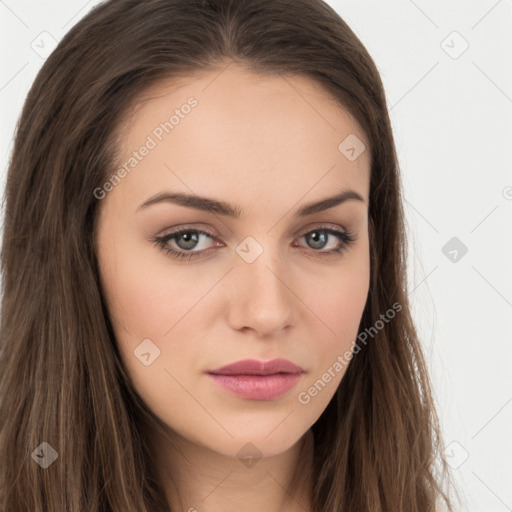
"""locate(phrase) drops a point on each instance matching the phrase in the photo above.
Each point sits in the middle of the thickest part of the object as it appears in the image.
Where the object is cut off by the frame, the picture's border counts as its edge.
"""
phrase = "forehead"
(246, 131)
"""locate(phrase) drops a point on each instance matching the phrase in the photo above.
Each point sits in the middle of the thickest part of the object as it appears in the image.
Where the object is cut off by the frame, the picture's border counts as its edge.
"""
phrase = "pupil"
(190, 240)
(316, 238)
(319, 238)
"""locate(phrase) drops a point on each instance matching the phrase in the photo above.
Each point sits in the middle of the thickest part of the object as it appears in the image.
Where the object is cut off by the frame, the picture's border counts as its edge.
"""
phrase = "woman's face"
(255, 275)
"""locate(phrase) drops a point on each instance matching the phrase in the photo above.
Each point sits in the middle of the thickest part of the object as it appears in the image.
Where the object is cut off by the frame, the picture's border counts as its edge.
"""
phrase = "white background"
(452, 119)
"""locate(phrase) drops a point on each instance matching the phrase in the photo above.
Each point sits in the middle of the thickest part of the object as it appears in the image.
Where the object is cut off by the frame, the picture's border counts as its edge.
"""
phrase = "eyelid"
(344, 236)
(216, 235)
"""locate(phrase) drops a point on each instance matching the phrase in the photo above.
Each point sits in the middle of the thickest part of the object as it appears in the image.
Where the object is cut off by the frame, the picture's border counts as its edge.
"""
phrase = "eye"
(319, 238)
(184, 240)
(187, 243)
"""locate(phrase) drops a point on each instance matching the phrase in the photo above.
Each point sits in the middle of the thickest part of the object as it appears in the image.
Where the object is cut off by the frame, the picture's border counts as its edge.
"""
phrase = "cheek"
(144, 297)
(339, 304)
(147, 302)
(340, 308)
(143, 305)
(339, 298)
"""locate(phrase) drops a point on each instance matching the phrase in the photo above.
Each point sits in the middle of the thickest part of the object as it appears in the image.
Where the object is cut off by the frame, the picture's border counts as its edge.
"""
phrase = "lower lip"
(257, 387)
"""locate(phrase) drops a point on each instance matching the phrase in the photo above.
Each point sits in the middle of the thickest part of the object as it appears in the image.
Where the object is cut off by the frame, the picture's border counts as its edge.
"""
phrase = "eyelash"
(346, 237)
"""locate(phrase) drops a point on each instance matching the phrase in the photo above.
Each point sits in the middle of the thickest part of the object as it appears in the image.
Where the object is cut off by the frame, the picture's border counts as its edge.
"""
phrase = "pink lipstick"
(257, 380)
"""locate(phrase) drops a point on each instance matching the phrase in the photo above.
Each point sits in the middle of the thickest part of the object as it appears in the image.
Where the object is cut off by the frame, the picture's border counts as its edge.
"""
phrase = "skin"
(267, 145)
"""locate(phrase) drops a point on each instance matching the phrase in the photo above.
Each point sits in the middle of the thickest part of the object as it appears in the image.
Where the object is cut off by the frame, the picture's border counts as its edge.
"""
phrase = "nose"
(263, 299)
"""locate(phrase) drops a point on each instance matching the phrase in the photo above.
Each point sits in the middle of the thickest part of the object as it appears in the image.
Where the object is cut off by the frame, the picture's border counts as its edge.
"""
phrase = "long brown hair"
(62, 382)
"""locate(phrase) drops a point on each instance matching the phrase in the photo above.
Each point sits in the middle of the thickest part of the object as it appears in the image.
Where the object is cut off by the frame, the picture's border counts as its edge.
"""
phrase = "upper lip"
(254, 367)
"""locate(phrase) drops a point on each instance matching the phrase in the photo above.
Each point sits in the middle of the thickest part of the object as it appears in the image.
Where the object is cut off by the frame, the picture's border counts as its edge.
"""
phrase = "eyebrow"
(229, 210)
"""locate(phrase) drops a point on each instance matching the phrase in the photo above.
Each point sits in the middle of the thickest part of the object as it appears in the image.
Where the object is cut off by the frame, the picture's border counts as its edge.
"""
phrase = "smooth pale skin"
(267, 145)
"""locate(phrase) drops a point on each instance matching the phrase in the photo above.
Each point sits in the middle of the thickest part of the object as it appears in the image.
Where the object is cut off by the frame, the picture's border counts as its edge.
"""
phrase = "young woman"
(204, 286)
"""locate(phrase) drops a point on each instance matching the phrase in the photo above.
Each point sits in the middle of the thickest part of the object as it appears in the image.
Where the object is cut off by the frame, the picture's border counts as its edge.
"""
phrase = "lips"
(254, 367)
(257, 380)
